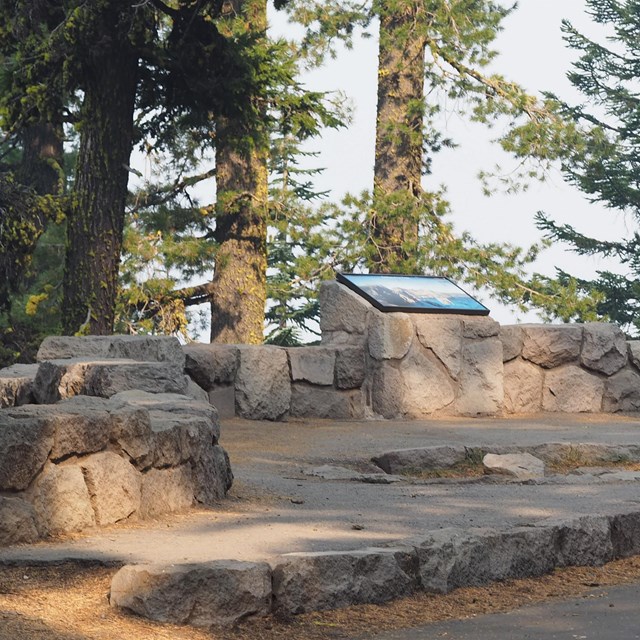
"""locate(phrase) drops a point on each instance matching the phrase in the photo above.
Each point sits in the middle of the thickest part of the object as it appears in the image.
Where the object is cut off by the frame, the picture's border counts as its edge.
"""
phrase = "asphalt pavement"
(612, 613)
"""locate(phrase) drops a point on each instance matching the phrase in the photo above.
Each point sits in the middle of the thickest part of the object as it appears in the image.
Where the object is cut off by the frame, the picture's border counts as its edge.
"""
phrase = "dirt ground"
(69, 602)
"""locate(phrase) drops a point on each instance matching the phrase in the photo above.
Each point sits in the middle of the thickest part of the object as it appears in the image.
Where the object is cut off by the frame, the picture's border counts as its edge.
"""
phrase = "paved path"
(276, 508)
(603, 614)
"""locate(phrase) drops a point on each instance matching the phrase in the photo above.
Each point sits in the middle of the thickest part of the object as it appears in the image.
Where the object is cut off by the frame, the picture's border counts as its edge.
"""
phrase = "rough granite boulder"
(572, 390)
(166, 491)
(452, 558)
(315, 365)
(350, 368)
(390, 335)
(25, 443)
(61, 500)
(551, 345)
(387, 390)
(438, 457)
(16, 384)
(218, 593)
(443, 336)
(581, 540)
(114, 486)
(321, 402)
(104, 378)
(263, 386)
(625, 533)
(622, 392)
(478, 327)
(604, 348)
(343, 313)
(212, 364)
(426, 385)
(633, 347)
(17, 521)
(522, 466)
(522, 387)
(512, 340)
(481, 389)
(141, 348)
(329, 580)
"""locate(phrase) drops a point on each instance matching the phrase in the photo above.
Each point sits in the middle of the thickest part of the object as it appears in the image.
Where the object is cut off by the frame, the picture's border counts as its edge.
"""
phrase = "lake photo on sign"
(421, 294)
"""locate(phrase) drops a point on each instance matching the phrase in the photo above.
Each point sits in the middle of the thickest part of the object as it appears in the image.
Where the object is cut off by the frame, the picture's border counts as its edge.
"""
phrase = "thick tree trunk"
(239, 282)
(399, 130)
(96, 220)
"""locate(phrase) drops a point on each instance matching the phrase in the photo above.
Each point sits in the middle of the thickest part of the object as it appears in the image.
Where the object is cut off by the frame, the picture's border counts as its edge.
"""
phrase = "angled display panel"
(415, 294)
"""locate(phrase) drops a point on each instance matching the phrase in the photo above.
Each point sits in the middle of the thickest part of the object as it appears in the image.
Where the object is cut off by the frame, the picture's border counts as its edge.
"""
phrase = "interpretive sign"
(416, 294)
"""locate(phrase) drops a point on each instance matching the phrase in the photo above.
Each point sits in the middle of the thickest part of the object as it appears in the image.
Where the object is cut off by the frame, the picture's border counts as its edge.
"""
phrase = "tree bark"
(399, 130)
(239, 282)
(96, 219)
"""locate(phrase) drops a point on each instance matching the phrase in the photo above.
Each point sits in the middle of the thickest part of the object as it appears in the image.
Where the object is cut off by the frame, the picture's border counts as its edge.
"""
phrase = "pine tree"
(602, 155)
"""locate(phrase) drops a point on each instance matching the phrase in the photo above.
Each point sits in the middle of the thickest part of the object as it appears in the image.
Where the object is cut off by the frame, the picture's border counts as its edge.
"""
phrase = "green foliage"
(599, 153)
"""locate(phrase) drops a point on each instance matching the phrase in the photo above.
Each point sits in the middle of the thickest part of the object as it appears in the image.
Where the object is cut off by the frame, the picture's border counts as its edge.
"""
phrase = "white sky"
(533, 54)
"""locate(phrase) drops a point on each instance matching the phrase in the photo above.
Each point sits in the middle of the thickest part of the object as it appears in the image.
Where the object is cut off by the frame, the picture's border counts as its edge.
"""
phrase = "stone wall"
(399, 365)
(587, 367)
(113, 433)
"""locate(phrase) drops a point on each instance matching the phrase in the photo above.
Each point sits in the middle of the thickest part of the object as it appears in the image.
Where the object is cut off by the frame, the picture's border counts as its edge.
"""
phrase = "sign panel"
(415, 294)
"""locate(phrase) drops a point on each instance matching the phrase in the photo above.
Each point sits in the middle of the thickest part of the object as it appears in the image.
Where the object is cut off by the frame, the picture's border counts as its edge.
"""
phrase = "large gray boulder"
(322, 402)
(437, 457)
(387, 390)
(166, 491)
(315, 365)
(16, 384)
(604, 348)
(141, 348)
(113, 485)
(212, 364)
(25, 442)
(390, 335)
(426, 386)
(17, 521)
(219, 593)
(61, 500)
(105, 379)
(61, 379)
(622, 392)
(580, 540)
(350, 368)
(443, 336)
(551, 345)
(263, 384)
(453, 558)
(343, 314)
(522, 387)
(332, 579)
(512, 341)
(522, 466)
(481, 389)
(625, 532)
(571, 389)
(212, 475)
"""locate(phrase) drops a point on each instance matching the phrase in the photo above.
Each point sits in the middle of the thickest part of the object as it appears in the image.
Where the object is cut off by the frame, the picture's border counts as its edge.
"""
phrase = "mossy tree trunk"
(399, 132)
(96, 219)
(239, 282)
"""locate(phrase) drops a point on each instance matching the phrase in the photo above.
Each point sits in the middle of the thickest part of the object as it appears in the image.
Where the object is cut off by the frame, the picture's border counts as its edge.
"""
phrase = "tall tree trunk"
(239, 282)
(96, 220)
(399, 131)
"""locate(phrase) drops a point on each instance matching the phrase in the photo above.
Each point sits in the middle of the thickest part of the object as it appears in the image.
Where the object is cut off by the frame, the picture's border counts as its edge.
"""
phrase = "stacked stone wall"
(587, 367)
(101, 431)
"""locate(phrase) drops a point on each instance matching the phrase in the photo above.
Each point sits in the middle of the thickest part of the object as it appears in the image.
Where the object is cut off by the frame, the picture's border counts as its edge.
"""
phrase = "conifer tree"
(601, 156)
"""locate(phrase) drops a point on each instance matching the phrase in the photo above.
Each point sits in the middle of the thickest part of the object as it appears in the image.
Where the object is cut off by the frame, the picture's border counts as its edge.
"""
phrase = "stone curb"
(436, 562)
